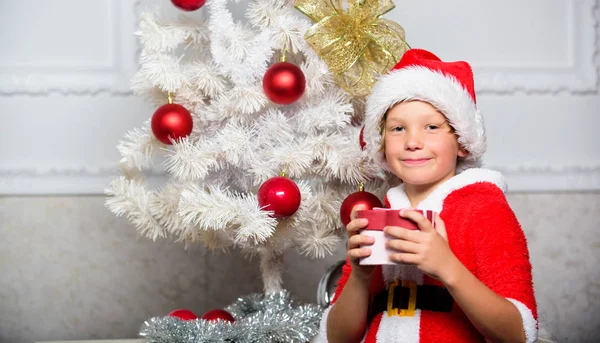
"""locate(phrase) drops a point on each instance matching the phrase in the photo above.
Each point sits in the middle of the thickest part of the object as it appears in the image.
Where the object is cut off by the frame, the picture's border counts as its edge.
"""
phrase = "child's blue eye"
(398, 129)
(432, 127)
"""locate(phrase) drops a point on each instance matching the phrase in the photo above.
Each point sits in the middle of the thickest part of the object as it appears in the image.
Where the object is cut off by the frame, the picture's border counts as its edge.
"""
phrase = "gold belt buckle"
(412, 299)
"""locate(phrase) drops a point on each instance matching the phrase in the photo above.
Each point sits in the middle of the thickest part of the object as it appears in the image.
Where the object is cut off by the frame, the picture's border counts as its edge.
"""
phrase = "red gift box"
(379, 218)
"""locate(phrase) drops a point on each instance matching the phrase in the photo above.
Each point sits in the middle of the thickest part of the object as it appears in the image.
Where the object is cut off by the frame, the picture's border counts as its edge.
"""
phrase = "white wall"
(69, 269)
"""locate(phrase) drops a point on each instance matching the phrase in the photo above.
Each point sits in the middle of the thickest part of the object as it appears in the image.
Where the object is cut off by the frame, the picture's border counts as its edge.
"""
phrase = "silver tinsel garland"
(271, 318)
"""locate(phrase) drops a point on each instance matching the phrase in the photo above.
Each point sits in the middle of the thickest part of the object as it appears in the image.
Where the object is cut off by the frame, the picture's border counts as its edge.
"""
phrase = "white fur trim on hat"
(444, 92)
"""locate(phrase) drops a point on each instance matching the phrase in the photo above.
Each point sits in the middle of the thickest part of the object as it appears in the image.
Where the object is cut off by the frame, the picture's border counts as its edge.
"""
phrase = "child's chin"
(419, 180)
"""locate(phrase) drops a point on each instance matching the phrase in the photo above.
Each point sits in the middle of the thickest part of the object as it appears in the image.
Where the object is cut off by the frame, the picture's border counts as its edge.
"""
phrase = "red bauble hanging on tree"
(188, 5)
(279, 195)
(183, 314)
(284, 83)
(214, 315)
(369, 200)
(171, 121)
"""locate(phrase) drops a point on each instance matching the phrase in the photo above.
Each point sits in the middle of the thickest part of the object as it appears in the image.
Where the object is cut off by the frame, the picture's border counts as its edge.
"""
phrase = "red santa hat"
(448, 86)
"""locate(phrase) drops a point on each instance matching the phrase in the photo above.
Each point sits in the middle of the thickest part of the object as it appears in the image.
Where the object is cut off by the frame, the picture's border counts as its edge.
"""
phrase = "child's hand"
(427, 249)
(355, 240)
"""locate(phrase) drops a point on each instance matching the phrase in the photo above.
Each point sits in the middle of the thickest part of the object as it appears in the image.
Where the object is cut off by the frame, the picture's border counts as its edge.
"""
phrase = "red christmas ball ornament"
(280, 195)
(188, 5)
(369, 200)
(284, 83)
(361, 138)
(171, 121)
(214, 315)
(183, 314)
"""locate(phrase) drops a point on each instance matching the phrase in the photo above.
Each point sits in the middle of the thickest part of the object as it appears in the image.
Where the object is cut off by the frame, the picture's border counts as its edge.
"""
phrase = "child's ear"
(462, 152)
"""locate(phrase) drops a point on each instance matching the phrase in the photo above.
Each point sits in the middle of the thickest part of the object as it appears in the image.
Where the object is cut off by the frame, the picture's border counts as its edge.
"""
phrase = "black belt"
(407, 296)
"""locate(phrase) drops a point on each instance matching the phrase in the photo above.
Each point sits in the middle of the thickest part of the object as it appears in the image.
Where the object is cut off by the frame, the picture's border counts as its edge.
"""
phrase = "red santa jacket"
(485, 236)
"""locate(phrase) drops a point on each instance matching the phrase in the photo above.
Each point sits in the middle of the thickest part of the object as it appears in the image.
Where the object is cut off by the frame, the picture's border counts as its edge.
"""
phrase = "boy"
(469, 278)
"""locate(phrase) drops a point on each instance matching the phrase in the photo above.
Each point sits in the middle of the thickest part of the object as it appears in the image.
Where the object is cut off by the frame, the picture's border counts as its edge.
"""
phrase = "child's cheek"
(392, 151)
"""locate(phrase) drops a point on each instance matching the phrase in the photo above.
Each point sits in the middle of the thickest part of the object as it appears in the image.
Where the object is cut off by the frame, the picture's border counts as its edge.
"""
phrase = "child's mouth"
(415, 161)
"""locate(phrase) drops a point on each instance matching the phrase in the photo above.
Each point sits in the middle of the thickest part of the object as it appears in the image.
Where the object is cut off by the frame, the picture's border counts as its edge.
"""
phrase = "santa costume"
(483, 232)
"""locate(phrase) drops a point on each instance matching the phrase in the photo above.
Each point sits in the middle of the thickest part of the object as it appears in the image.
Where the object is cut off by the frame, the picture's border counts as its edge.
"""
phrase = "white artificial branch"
(158, 34)
(159, 70)
(271, 266)
(130, 198)
(214, 209)
(164, 205)
(244, 61)
(138, 147)
(188, 161)
(334, 102)
(206, 78)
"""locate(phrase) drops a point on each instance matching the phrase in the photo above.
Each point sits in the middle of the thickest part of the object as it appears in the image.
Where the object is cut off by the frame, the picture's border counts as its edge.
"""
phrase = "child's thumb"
(440, 226)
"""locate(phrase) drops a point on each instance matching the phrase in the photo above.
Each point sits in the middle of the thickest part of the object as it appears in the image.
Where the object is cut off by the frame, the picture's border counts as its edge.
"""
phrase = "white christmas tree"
(241, 138)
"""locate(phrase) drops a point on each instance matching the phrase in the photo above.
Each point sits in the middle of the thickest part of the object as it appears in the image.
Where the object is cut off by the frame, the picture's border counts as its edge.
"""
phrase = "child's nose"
(414, 141)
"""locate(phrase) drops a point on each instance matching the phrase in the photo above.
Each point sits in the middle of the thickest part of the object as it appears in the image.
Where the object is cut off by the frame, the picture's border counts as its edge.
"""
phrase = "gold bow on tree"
(355, 42)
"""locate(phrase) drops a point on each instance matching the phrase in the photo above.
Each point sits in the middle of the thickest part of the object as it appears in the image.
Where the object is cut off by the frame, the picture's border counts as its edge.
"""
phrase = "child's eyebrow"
(432, 116)
(427, 116)
(394, 119)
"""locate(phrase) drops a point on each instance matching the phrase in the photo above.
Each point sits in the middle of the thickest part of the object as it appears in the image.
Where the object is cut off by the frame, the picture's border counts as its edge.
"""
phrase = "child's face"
(420, 145)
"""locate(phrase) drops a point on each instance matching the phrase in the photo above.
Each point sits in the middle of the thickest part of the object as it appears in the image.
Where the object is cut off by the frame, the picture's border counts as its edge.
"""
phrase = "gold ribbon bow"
(355, 42)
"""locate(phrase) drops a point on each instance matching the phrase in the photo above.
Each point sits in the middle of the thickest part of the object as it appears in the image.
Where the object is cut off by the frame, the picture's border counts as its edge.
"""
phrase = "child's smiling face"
(421, 147)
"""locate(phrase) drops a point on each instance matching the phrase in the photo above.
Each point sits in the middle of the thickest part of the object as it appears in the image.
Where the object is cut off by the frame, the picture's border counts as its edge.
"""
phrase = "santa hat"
(448, 86)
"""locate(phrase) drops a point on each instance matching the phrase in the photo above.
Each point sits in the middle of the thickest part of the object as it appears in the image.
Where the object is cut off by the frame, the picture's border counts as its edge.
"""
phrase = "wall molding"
(581, 76)
(93, 181)
(532, 178)
(77, 180)
(67, 79)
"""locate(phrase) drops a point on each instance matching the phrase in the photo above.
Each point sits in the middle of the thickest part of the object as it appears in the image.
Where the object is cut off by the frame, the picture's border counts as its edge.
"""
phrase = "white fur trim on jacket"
(530, 325)
(444, 92)
(396, 329)
(435, 201)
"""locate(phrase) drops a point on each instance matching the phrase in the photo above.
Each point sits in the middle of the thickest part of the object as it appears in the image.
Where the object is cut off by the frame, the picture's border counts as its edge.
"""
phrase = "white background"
(65, 101)
(70, 270)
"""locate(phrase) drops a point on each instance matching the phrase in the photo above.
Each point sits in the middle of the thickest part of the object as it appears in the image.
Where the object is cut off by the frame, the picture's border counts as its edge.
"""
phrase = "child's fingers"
(355, 254)
(404, 257)
(356, 224)
(355, 209)
(402, 233)
(358, 240)
(417, 217)
(403, 246)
